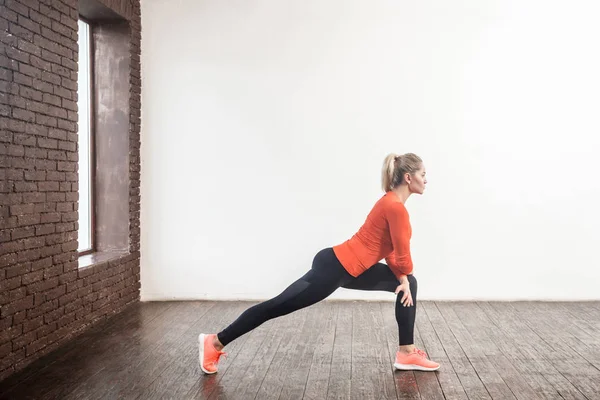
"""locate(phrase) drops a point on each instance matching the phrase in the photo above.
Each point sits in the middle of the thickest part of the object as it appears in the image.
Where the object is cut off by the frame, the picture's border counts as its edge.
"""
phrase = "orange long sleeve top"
(386, 233)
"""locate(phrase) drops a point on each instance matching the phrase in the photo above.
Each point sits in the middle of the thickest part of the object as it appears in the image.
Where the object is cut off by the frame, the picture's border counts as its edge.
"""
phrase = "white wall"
(265, 124)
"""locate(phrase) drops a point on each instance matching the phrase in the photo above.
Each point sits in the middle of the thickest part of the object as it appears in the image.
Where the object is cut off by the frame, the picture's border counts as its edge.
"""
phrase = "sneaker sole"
(413, 367)
(201, 353)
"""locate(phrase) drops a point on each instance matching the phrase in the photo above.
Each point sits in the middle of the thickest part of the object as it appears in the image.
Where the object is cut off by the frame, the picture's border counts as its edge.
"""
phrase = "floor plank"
(471, 382)
(320, 368)
(332, 350)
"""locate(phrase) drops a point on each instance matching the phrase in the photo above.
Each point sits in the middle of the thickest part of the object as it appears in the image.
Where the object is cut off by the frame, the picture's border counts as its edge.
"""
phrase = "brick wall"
(45, 298)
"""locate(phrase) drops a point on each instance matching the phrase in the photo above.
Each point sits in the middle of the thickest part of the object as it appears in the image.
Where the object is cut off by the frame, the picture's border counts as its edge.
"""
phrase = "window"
(103, 139)
(85, 145)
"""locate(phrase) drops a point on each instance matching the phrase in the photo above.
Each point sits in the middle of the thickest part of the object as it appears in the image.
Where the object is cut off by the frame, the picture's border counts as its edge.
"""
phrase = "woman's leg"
(380, 277)
(325, 276)
(308, 290)
(408, 356)
(405, 316)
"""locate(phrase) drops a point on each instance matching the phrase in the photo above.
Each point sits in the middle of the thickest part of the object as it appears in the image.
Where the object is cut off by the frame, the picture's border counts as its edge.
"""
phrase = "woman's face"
(417, 181)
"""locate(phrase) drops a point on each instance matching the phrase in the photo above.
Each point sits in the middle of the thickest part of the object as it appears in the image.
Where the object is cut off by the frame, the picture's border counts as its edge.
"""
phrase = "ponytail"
(387, 172)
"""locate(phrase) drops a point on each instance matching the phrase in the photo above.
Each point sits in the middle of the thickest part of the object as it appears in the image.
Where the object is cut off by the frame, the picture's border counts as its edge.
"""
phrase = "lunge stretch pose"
(354, 264)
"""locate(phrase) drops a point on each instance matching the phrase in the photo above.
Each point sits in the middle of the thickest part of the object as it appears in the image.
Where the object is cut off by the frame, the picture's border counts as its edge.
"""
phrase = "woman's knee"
(412, 281)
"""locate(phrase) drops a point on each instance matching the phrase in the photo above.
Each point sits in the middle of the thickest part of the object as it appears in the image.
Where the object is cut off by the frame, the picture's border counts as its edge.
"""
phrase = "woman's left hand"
(406, 299)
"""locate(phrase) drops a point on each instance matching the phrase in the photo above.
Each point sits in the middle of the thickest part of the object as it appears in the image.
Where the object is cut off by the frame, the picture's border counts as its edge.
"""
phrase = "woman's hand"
(406, 299)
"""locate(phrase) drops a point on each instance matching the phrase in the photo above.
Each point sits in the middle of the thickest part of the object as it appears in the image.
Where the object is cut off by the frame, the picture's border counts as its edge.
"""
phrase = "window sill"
(101, 257)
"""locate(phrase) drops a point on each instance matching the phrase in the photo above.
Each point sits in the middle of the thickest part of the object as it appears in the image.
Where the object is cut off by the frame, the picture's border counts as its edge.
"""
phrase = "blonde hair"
(394, 168)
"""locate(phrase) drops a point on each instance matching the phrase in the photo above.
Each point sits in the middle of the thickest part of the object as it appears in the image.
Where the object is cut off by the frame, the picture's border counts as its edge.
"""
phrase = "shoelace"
(421, 353)
(219, 354)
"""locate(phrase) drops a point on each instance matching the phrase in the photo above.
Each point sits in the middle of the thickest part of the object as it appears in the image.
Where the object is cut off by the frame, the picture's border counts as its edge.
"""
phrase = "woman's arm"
(400, 260)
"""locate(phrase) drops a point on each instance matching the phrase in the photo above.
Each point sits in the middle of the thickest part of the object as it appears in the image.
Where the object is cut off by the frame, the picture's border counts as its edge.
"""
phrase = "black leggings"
(325, 277)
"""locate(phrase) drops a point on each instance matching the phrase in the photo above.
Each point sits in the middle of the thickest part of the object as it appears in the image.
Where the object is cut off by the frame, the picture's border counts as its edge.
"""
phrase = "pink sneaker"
(208, 355)
(417, 360)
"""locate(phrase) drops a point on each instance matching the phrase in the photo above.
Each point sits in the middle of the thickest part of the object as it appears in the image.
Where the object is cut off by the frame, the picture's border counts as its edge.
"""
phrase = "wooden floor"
(333, 350)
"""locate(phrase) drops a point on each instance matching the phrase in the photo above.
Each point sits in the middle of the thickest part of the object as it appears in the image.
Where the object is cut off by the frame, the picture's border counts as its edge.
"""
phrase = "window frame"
(91, 138)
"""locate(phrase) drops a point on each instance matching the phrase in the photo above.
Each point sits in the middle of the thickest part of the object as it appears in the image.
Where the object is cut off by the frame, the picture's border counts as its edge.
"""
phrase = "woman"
(353, 264)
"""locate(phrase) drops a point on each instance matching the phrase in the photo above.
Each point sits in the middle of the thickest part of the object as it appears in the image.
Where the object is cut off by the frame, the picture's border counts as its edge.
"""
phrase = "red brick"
(33, 324)
(69, 217)
(18, 270)
(51, 13)
(66, 319)
(29, 255)
(19, 305)
(24, 340)
(42, 85)
(11, 198)
(47, 330)
(33, 277)
(61, 258)
(9, 284)
(17, 7)
(60, 6)
(40, 63)
(25, 186)
(9, 333)
(38, 107)
(22, 33)
(33, 243)
(70, 246)
(53, 271)
(61, 91)
(48, 186)
(71, 266)
(73, 305)
(84, 312)
(45, 229)
(35, 153)
(34, 197)
(41, 264)
(56, 176)
(56, 197)
(36, 346)
(20, 233)
(69, 146)
(6, 223)
(48, 143)
(38, 298)
(68, 276)
(46, 120)
(57, 155)
(14, 174)
(25, 140)
(29, 70)
(47, 165)
(8, 297)
(53, 315)
(5, 349)
(22, 209)
(66, 166)
(6, 137)
(45, 207)
(42, 309)
(11, 246)
(64, 207)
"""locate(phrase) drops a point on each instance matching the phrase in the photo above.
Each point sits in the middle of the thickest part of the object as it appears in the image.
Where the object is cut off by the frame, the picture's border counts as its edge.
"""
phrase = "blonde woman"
(354, 264)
